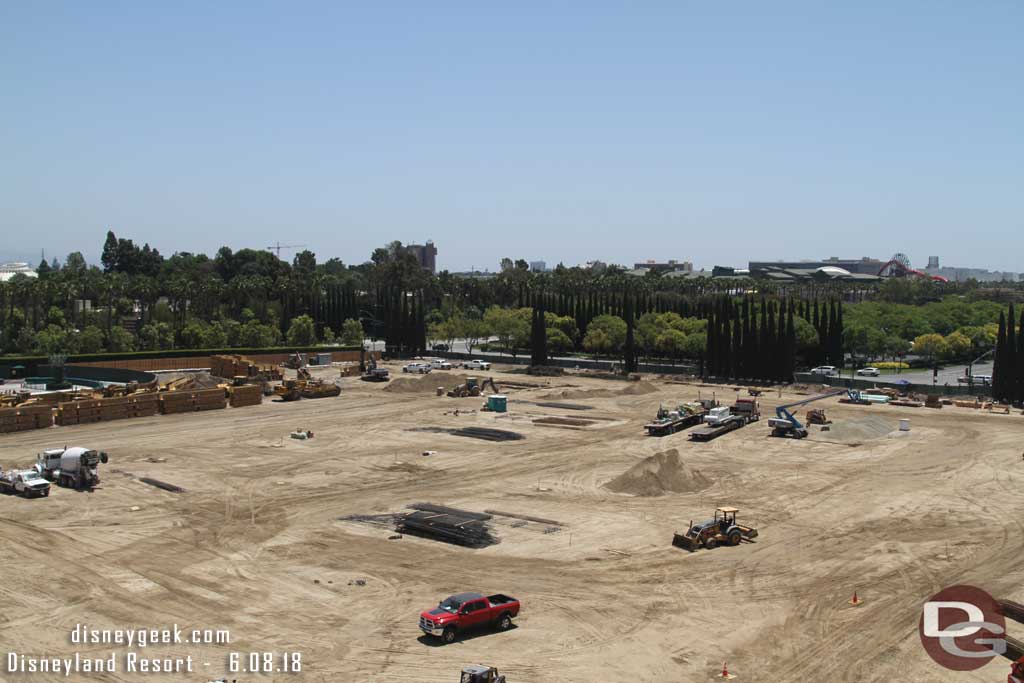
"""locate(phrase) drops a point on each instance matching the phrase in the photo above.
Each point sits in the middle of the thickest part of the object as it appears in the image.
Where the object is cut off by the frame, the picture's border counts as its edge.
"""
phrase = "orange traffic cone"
(855, 600)
(725, 672)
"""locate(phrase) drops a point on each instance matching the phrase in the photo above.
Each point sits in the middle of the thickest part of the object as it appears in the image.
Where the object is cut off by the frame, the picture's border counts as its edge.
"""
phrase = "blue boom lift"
(785, 423)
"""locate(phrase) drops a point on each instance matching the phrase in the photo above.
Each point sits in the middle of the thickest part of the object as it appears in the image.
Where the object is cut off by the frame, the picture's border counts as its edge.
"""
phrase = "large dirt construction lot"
(255, 544)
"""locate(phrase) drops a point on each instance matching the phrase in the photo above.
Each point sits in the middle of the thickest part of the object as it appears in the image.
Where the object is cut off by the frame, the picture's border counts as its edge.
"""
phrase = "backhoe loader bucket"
(685, 541)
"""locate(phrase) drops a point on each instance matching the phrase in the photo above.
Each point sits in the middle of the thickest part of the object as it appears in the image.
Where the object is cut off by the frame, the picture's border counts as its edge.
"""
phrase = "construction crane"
(278, 247)
(785, 423)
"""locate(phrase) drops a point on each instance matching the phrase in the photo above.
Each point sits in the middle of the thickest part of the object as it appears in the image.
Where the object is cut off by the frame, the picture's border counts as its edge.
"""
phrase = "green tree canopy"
(302, 331)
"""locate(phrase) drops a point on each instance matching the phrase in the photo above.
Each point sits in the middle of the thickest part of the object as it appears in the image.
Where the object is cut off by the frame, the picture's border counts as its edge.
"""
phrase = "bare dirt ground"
(254, 544)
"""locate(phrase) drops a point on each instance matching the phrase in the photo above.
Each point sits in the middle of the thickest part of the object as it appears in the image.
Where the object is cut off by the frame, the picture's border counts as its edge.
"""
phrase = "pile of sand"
(659, 474)
(425, 384)
(633, 389)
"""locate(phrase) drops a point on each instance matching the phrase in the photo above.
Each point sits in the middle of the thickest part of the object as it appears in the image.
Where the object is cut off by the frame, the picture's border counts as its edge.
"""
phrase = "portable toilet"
(497, 402)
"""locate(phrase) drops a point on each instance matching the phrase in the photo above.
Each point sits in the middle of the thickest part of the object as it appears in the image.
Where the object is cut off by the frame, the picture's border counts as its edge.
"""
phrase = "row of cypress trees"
(402, 321)
(1008, 373)
(827, 321)
(744, 343)
(538, 333)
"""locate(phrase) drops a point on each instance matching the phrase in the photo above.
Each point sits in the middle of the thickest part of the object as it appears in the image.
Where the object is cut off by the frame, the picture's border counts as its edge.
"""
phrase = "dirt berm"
(633, 389)
(426, 384)
(659, 474)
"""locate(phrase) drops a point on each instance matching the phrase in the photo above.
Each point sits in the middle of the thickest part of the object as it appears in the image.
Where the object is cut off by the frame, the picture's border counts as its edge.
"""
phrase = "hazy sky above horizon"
(711, 132)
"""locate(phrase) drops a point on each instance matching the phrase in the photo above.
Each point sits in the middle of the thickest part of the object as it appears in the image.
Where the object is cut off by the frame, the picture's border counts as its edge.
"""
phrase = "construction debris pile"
(451, 525)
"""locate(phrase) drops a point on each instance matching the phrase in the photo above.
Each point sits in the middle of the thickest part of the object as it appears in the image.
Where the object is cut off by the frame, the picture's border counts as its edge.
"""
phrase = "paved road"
(947, 374)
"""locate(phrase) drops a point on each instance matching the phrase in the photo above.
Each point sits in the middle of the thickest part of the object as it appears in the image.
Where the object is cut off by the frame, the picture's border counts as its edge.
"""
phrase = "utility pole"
(277, 247)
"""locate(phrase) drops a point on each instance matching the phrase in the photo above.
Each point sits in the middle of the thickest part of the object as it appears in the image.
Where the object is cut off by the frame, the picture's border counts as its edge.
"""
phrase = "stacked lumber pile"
(142, 404)
(211, 399)
(8, 419)
(25, 417)
(172, 402)
(79, 412)
(246, 395)
(982, 405)
(234, 366)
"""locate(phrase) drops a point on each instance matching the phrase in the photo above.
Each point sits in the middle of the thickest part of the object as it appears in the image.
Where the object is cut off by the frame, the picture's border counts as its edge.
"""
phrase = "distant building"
(964, 274)
(538, 266)
(670, 266)
(426, 254)
(861, 266)
(9, 270)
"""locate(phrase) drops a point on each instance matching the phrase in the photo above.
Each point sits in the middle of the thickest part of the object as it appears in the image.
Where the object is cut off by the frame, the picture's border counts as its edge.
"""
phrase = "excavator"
(295, 361)
(372, 373)
(471, 388)
(785, 423)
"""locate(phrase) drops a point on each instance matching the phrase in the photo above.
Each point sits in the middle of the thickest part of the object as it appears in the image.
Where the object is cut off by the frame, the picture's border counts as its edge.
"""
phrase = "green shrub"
(892, 365)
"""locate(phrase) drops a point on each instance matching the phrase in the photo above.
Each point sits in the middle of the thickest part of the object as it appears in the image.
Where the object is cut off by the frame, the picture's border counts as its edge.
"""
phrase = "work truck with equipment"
(672, 421)
(722, 419)
(26, 483)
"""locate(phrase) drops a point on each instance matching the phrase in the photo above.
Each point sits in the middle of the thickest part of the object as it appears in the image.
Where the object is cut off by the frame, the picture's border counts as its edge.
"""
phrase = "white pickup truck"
(476, 365)
(27, 483)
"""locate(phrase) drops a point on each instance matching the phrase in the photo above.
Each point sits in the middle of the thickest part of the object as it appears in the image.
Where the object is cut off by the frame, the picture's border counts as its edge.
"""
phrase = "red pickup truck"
(467, 611)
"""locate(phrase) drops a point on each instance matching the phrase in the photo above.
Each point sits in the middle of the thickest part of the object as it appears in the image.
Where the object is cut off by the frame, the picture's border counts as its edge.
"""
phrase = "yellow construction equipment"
(294, 389)
(816, 416)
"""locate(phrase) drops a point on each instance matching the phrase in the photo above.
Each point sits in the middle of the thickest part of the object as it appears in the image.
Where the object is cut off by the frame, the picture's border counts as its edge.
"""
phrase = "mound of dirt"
(853, 431)
(633, 389)
(659, 474)
(639, 389)
(425, 384)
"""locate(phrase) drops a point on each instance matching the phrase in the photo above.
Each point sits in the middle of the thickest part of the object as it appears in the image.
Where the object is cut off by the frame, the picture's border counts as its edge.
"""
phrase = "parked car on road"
(418, 368)
(825, 371)
(869, 372)
(476, 365)
(440, 347)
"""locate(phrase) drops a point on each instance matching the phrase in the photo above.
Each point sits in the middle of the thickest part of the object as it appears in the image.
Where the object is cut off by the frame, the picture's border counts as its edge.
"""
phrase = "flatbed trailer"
(709, 432)
(666, 427)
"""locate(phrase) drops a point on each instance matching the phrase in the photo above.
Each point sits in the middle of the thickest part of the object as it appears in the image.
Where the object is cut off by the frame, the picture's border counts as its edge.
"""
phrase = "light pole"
(970, 370)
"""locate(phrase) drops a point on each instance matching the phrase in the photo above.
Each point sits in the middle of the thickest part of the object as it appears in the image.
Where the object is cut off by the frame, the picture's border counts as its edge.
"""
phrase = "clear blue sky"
(715, 132)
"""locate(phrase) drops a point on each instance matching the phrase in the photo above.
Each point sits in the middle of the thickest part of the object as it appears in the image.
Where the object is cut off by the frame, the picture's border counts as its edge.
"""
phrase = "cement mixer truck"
(74, 467)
